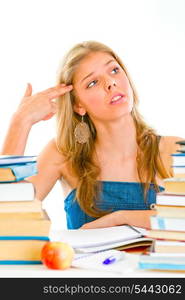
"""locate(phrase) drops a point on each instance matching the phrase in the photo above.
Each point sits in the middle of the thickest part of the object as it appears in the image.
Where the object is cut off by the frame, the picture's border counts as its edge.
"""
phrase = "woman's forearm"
(16, 137)
(138, 218)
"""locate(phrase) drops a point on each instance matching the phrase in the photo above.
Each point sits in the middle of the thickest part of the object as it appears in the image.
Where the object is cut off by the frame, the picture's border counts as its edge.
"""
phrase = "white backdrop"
(149, 35)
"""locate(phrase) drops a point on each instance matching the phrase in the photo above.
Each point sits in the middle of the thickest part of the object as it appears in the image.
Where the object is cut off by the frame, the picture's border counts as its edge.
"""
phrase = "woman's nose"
(110, 84)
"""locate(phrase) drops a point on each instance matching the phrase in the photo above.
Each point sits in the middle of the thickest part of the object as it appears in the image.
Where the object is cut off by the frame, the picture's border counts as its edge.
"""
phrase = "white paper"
(99, 237)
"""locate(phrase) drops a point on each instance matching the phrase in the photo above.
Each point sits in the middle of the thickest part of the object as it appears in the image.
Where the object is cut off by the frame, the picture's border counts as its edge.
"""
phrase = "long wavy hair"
(80, 156)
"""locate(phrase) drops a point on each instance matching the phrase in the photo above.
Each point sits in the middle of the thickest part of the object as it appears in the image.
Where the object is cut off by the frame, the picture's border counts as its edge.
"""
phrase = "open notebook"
(93, 240)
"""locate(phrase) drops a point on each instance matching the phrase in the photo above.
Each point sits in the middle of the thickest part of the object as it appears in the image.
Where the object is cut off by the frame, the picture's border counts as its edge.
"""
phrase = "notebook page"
(95, 261)
(81, 238)
(110, 246)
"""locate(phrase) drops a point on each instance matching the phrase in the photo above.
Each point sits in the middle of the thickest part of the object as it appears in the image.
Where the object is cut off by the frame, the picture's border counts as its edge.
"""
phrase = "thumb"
(28, 91)
(49, 116)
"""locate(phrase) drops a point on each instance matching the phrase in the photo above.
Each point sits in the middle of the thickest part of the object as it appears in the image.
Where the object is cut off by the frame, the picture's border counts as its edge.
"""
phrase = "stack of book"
(13, 173)
(168, 225)
(24, 224)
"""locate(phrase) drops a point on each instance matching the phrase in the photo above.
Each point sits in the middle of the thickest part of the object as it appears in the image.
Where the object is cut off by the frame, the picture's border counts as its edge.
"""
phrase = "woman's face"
(102, 88)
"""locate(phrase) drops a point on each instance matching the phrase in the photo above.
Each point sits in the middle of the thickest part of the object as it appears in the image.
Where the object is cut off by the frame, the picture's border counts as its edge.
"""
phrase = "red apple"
(57, 255)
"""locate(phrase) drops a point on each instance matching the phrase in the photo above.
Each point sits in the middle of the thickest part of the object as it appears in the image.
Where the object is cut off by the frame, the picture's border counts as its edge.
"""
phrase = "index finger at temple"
(58, 91)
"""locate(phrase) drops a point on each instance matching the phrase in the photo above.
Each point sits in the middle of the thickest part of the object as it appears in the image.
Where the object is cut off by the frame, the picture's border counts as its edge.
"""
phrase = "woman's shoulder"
(52, 152)
(51, 158)
(168, 144)
(54, 157)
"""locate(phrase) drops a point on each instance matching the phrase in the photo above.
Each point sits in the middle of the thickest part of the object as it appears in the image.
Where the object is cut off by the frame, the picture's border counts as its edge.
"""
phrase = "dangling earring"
(82, 132)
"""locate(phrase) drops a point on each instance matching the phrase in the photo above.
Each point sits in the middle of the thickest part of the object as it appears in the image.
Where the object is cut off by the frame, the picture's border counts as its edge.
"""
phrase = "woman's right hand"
(32, 109)
(40, 106)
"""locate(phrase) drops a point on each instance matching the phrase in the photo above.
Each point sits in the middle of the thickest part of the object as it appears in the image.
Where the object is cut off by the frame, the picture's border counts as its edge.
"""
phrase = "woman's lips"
(118, 99)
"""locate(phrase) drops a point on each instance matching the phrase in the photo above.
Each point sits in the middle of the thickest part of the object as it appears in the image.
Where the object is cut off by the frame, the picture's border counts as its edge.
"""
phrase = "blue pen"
(111, 259)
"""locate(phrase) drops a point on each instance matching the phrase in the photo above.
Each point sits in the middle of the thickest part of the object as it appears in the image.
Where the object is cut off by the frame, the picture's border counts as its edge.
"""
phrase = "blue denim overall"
(115, 195)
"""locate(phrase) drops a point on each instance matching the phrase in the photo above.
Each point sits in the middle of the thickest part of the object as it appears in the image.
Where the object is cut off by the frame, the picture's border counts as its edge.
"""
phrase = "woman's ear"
(79, 109)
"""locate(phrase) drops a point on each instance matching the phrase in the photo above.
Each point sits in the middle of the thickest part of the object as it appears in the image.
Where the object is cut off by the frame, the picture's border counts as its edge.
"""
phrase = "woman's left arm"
(139, 218)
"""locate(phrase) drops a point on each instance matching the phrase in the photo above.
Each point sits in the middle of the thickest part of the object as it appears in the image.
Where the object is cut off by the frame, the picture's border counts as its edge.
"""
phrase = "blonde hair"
(79, 156)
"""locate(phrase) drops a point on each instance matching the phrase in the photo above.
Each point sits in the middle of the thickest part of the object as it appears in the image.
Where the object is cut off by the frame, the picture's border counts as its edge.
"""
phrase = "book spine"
(162, 223)
(16, 159)
(20, 262)
(28, 238)
(177, 154)
(161, 266)
(23, 171)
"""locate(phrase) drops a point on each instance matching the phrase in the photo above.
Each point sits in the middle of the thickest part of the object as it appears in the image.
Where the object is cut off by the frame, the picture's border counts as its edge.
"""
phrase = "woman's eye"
(115, 70)
(92, 83)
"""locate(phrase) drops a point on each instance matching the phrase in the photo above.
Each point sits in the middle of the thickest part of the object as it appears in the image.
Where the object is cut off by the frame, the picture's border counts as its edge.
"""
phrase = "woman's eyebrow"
(90, 74)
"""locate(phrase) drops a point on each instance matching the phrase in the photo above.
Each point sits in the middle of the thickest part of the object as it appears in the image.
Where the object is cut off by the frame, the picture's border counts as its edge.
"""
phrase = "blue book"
(178, 154)
(162, 261)
(23, 238)
(16, 159)
(161, 266)
(21, 171)
(20, 262)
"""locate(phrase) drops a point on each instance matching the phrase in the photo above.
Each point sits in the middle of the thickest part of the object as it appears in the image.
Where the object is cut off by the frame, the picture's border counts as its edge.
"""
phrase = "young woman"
(110, 162)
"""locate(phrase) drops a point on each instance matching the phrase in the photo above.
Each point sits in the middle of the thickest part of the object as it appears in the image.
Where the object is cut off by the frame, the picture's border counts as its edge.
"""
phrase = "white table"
(131, 270)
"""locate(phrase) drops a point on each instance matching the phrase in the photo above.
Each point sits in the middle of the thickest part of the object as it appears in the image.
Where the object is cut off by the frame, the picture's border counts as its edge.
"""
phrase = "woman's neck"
(118, 137)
